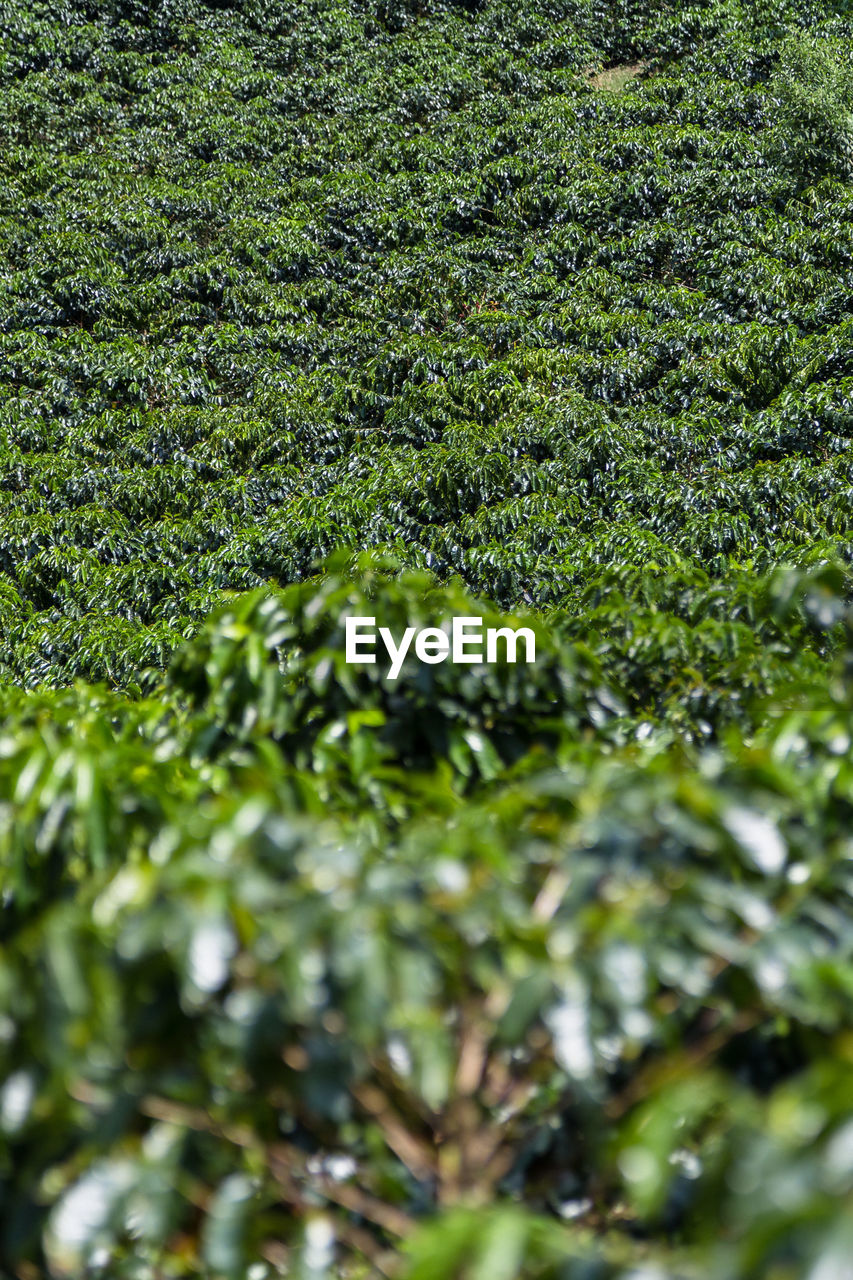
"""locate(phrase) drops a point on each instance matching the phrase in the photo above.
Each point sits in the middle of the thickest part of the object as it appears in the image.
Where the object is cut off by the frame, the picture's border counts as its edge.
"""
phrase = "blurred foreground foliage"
(489, 971)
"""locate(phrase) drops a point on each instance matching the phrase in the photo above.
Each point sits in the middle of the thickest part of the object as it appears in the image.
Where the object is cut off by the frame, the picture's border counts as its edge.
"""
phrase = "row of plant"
(477, 334)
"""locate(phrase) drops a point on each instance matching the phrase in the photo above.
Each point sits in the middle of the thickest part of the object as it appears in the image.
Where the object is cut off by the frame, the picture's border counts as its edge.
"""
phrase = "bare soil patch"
(616, 78)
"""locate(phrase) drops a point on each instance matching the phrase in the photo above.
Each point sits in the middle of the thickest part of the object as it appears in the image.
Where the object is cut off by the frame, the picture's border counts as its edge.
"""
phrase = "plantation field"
(540, 312)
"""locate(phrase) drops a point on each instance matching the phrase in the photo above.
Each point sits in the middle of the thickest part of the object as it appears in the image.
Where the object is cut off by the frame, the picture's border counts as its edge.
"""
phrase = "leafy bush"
(815, 96)
(586, 988)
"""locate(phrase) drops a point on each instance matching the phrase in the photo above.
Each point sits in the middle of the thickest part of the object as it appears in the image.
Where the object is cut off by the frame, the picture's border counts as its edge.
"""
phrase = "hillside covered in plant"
(420, 309)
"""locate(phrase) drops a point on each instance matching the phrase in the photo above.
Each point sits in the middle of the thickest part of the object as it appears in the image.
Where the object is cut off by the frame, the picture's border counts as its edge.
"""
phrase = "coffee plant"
(536, 313)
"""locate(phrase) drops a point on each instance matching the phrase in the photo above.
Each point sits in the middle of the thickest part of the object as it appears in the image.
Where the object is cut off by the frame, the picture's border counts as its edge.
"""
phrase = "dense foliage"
(423, 308)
